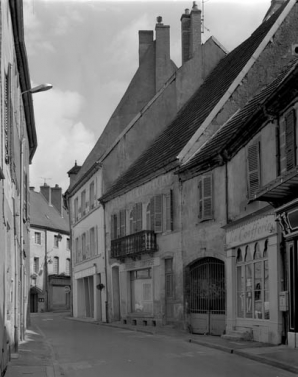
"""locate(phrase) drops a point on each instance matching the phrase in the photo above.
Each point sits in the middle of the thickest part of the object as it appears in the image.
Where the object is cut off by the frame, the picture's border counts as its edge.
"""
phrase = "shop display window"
(141, 291)
(253, 282)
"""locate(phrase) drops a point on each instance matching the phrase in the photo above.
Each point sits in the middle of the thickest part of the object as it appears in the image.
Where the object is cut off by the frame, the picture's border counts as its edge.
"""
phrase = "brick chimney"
(162, 54)
(45, 190)
(191, 39)
(145, 40)
(57, 202)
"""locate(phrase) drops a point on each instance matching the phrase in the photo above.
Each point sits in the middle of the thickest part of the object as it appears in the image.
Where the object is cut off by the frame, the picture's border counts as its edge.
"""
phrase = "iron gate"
(207, 296)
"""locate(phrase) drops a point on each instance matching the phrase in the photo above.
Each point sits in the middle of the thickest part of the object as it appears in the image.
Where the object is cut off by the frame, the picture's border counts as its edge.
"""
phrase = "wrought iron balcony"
(134, 245)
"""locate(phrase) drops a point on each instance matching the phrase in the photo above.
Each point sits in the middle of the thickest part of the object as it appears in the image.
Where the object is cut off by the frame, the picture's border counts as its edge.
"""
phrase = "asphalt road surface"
(82, 349)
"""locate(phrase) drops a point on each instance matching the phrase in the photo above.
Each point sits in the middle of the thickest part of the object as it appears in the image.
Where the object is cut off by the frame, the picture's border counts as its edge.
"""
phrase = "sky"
(88, 51)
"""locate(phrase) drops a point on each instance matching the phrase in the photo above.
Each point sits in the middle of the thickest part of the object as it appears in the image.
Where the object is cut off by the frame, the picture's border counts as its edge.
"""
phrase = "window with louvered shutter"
(148, 217)
(253, 169)
(114, 227)
(122, 223)
(84, 246)
(290, 140)
(132, 220)
(139, 215)
(205, 192)
(169, 210)
(158, 213)
(152, 213)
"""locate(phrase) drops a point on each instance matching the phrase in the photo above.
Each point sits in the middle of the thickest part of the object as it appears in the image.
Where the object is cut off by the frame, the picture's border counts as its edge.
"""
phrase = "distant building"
(18, 143)
(50, 269)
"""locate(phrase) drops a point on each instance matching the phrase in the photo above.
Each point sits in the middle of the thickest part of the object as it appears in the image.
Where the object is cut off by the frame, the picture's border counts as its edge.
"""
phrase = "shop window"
(141, 291)
(253, 169)
(253, 284)
(205, 197)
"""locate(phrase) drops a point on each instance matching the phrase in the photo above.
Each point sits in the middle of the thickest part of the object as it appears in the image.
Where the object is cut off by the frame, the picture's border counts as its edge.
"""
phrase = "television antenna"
(45, 179)
(203, 16)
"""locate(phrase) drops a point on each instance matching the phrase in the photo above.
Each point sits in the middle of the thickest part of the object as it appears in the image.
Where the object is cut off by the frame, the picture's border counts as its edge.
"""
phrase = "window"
(169, 277)
(114, 221)
(91, 195)
(56, 266)
(76, 209)
(135, 220)
(253, 169)
(67, 243)
(37, 238)
(159, 213)
(253, 283)
(205, 197)
(92, 242)
(83, 202)
(36, 265)
(287, 142)
(84, 250)
(56, 241)
(78, 257)
(67, 266)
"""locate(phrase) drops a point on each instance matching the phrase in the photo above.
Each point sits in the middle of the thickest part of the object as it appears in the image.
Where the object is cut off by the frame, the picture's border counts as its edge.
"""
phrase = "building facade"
(170, 88)
(17, 147)
(50, 263)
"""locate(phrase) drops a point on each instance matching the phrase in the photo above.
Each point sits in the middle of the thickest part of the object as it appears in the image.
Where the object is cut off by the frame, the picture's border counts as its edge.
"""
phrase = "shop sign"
(141, 264)
(258, 229)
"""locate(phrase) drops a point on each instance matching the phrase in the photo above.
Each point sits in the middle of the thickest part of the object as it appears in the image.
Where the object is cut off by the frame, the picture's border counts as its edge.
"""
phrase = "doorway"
(207, 296)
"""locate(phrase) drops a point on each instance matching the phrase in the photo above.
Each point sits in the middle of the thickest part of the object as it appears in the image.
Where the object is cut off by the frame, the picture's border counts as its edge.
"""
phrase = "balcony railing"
(134, 245)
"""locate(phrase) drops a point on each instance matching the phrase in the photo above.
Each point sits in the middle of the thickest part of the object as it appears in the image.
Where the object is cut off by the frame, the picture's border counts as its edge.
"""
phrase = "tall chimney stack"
(46, 192)
(56, 195)
(73, 172)
(163, 61)
(145, 40)
(191, 38)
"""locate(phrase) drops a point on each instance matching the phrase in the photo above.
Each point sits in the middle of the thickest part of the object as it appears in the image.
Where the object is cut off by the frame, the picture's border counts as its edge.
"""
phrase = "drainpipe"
(227, 191)
(46, 269)
(16, 283)
(22, 235)
(106, 263)
(71, 251)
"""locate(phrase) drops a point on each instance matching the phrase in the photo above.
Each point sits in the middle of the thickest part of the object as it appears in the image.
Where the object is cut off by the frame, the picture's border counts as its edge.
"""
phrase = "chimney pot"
(195, 6)
(159, 19)
(186, 11)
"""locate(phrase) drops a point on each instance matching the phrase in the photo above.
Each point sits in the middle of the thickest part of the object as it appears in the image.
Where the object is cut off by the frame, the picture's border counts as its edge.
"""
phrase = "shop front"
(254, 278)
(287, 217)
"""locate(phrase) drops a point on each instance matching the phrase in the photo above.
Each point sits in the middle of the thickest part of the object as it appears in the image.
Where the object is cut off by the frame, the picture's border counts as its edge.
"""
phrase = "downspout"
(16, 283)
(22, 235)
(227, 191)
(71, 258)
(106, 263)
(46, 269)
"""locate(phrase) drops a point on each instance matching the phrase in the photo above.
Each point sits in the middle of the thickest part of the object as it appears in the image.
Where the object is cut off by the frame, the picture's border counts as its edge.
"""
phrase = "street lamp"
(39, 88)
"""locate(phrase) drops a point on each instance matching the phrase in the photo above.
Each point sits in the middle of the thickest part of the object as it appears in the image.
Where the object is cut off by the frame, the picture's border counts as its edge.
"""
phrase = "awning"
(282, 189)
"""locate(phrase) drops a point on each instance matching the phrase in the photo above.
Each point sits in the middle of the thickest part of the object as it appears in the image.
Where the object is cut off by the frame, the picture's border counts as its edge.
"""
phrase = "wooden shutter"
(112, 228)
(152, 213)
(139, 215)
(158, 213)
(253, 167)
(88, 244)
(122, 223)
(148, 217)
(290, 140)
(205, 192)
(132, 220)
(169, 210)
(208, 197)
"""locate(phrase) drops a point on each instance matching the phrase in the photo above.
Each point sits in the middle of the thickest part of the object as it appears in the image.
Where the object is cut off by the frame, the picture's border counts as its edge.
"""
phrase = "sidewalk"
(34, 357)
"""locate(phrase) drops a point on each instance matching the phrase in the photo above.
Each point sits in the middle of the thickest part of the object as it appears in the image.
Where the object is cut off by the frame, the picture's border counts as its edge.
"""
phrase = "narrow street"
(89, 350)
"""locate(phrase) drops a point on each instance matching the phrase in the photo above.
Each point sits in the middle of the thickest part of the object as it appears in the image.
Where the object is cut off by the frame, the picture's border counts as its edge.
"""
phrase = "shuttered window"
(205, 197)
(114, 226)
(136, 218)
(169, 210)
(290, 140)
(56, 265)
(92, 242)
(148, 218)
(253, 169)
(122, 223)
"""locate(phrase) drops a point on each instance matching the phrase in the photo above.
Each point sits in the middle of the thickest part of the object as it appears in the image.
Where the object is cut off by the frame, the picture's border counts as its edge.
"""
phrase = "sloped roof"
(42, 215)
(234, 132)
(170, 142)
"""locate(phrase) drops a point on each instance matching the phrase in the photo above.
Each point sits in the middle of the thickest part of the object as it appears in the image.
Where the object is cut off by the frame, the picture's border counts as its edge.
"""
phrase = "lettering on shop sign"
(139, 264)
(255, 230)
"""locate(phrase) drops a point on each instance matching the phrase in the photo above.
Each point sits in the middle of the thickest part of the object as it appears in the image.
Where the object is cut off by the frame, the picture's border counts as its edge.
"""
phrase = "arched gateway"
(207, 296)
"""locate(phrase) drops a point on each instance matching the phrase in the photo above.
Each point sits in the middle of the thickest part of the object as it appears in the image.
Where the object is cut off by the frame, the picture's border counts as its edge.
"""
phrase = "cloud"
(62, 137)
